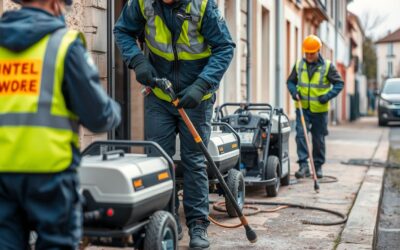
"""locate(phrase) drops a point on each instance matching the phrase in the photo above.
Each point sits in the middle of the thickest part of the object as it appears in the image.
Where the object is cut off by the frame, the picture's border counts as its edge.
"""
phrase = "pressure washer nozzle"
(316, 187)
(250, 234)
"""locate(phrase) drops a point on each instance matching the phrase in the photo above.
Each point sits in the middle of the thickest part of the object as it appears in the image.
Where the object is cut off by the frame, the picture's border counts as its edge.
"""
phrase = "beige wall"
(384, 59)
(264, 77)
(230, 88)
(293, 24)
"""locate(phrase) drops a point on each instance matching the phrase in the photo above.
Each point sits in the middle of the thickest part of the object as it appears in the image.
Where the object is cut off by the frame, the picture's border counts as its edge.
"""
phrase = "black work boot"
(318, 172)
(178, 223)
(198, 236)
(303, 172)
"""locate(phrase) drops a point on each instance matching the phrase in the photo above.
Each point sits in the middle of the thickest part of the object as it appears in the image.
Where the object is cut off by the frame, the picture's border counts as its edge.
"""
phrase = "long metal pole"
(110, 55)
(248, 57)
(335, 101)
(310, 156)
(279, 52)
(166, 85)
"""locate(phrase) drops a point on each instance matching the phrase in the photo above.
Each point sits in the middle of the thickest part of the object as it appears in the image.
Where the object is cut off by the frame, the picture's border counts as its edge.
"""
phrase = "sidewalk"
(283, 229)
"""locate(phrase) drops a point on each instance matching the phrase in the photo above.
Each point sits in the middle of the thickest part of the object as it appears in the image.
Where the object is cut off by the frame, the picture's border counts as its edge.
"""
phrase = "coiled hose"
(250, 205)
(219, 206)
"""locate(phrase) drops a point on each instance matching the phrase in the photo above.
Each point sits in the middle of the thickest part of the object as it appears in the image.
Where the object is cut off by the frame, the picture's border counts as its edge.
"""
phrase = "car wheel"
(382, 122)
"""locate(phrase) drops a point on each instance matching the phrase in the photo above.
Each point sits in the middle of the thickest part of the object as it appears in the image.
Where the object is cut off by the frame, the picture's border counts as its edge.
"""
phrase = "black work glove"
(323, 99)
(294, 95)
(145, 73)
(191, 96)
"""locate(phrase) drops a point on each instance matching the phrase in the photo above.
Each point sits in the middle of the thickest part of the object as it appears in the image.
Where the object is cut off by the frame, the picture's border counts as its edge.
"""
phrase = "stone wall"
(90, 16)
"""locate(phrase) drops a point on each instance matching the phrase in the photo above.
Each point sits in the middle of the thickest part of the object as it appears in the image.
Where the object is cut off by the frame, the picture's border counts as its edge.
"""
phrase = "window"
(390, 69)
(390, 49)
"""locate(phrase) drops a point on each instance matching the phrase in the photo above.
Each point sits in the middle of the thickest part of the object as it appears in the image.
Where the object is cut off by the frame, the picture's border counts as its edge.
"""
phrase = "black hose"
(325, 179)
(328, 179)
(302, 206)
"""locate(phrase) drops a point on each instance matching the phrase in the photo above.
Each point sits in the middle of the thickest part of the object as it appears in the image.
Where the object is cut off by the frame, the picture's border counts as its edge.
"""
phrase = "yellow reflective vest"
(310, 89)
(190, 44)
(37, 131)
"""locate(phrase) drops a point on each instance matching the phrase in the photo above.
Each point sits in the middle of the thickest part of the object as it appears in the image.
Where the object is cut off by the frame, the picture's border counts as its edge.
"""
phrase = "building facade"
(268, 35)
(388, 54)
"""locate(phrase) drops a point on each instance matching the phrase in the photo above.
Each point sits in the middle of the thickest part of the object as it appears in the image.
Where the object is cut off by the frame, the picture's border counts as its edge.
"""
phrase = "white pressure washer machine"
(129, 198)
(224, 148)
(264, 135)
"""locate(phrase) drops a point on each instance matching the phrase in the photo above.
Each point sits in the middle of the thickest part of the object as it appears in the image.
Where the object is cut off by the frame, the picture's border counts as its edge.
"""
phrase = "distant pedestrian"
(371, 100)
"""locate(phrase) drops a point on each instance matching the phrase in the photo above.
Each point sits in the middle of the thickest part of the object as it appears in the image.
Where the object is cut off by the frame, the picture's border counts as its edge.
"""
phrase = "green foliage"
(370, 59)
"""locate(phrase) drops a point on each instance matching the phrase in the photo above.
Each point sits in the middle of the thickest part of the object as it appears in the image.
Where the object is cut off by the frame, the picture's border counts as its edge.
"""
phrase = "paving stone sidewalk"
(283, 229)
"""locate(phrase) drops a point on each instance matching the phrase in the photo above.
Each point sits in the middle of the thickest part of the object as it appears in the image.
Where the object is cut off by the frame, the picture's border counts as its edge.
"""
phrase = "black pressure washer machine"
(264, 135)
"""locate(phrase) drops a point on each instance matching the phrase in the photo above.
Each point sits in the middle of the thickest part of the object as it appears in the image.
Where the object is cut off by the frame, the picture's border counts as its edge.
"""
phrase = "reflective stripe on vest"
(310, 89)
(190, 44)
(37, 131)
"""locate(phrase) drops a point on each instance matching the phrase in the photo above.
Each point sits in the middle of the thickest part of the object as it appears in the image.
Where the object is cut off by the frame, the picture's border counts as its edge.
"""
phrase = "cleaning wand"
(166, 85)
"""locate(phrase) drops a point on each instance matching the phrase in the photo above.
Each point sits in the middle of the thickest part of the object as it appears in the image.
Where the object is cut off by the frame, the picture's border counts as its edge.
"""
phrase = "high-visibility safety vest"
(37, 131)
(190, 44)
(310, 89)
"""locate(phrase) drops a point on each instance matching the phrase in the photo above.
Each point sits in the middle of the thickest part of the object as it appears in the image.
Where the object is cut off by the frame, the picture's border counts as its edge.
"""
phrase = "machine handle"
(229, 127)
(119, 152)
(126, 143)
(246, 106)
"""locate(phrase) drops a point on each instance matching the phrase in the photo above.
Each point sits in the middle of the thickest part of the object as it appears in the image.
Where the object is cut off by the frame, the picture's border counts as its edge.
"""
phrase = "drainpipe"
(110, 56)
(279, 52)
(248, 57)
(336, 104)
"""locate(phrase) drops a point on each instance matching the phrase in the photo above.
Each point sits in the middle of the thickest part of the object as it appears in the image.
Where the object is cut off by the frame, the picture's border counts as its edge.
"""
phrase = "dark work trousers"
(162, 123)
(46, 203)
(317, 124)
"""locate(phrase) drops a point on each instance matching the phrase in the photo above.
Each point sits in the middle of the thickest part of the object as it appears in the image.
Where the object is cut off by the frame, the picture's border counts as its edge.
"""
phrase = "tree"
(370, 21)
(370, 58)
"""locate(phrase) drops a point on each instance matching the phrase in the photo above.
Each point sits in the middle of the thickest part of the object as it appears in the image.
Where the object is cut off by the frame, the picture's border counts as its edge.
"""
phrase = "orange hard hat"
(311, 44)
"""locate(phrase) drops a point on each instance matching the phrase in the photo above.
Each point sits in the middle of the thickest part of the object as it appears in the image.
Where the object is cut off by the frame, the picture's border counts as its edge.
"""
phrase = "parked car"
(389, 102)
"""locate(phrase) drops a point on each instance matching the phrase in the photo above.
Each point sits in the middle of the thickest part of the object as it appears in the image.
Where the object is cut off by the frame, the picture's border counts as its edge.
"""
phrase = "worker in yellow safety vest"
(48, 86)
(188, 43)
(313, 81)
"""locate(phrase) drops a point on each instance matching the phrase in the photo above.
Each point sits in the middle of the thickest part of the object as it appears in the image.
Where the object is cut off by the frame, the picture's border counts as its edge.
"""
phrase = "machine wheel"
(161, 232)
(285, 181)
(272, 172)
(236, 185)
